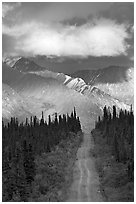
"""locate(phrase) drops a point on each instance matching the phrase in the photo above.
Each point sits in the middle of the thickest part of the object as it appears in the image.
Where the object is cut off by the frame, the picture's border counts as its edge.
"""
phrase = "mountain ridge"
(51, 91)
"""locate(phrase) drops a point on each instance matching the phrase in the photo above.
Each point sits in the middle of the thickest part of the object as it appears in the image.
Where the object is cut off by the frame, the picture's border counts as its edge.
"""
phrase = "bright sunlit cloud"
(101, 37)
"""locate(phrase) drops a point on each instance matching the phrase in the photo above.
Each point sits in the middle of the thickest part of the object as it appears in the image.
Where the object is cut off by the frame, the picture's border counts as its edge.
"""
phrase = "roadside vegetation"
(38, 158)
(114, 154)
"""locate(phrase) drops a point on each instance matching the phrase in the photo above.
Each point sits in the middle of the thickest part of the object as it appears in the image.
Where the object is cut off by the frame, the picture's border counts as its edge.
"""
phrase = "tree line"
(21, 142)
(118, 132)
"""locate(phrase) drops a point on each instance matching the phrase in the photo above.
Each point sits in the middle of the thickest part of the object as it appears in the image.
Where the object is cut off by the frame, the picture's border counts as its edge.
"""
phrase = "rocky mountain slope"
(46, 94)
(13, 104)
(115, 81)
(93, 92)
(111, 74)
(10, 61)
(22, 63)
(49, 91)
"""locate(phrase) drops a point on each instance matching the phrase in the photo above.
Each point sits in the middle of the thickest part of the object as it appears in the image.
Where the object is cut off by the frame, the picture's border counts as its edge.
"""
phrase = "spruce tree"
(75, 116)
(114, 112)
(42, 120)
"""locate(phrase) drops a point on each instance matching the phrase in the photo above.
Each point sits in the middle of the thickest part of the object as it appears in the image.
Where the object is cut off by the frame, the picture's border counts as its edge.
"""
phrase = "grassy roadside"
(54, 171)
(114, 183)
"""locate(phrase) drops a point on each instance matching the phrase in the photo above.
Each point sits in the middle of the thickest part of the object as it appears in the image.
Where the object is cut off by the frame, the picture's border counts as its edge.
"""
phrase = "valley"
(28, 89)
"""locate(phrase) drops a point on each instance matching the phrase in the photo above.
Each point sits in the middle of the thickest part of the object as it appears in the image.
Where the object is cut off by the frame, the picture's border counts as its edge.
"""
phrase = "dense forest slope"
(114, 154)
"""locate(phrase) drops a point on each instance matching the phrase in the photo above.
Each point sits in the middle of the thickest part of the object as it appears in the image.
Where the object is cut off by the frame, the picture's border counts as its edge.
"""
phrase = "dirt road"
(85, 187)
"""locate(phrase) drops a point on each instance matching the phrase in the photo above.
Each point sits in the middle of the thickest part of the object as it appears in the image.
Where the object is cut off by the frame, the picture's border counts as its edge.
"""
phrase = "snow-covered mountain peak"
(10, 61)
(51, 91)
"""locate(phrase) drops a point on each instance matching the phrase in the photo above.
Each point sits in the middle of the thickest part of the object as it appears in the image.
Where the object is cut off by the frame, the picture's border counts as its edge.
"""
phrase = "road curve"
(85, 187)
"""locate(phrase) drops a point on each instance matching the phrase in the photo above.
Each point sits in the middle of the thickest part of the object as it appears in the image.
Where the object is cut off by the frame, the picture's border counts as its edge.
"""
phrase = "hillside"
(115, 81)
(13, 104)
(48, 95)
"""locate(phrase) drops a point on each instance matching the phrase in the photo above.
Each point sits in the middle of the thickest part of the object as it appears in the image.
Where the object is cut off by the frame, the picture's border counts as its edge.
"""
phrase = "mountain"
(43, 90)
(26, 65)
(55, 64)
(64, 65)
(47, 94)
(69, 65)
(115, 81)
(100, 98)
(111, 74)
(22, 64)
(94, 94)
(13, 104)
(10, 61)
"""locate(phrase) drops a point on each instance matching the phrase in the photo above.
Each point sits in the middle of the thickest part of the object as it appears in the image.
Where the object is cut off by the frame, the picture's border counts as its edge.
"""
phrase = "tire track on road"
(85, 187)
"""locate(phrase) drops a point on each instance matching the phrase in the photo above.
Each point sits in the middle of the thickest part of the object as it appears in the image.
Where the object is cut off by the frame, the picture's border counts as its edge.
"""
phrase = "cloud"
(7, 7)
(100, 37)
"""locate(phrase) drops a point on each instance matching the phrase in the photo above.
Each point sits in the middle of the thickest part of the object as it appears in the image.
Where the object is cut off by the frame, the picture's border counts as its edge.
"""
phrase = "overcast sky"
(95, 30)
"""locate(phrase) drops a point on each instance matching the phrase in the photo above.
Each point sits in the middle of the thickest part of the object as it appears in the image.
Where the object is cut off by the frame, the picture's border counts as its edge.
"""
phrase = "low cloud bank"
(100, 37)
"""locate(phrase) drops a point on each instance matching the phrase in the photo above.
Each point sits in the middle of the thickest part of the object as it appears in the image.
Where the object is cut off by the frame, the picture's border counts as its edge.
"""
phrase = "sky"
(96, 31)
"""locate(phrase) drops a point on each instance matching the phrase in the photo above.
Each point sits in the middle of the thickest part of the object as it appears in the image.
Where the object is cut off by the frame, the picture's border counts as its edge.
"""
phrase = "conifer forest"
(114, 152)
(22, 142)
